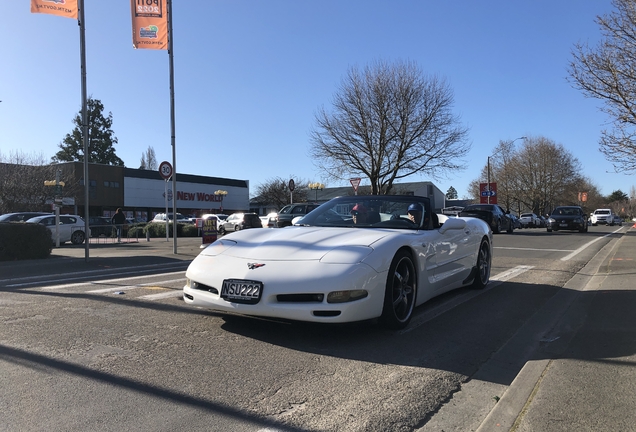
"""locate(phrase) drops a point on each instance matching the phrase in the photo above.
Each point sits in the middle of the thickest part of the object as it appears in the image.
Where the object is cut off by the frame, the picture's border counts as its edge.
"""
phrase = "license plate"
(563, 225)
(241, 291)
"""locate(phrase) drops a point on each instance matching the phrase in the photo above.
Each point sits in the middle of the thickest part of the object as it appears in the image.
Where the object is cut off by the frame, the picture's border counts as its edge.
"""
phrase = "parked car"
(542, 222)
(21, 216)
(516, 223)
(71, 227)
(287, 214)
(239, 221)
(603, 216)
(219, 218)
(528, 220)
(332, 270)
(571, 218)
(495, 216)
(161, 217)
(101, 226)
(269, 221)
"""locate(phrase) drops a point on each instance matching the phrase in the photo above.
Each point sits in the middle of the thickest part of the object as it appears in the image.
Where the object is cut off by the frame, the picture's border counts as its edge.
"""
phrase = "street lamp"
(316, 187)
(511, 142)
(220, 193)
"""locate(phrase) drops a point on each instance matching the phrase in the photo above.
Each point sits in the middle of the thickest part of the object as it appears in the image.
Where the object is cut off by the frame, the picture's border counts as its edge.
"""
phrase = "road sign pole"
(166, 199)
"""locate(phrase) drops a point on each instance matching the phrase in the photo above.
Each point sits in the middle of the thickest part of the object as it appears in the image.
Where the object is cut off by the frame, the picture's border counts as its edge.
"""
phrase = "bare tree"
(608, 73)
(149, 160)
(537, 176)
(22, 178)
(275, 191)
(389, 122)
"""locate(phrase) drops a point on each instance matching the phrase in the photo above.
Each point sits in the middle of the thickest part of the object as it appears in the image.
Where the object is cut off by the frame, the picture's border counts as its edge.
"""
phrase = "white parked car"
(529, 220)
(353, 258)
(603, 216)
(161, 217)
(71, 227)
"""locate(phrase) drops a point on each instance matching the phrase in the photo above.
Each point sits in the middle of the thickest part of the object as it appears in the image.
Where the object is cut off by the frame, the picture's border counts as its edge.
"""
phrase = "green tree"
(617, 195)
(389, 122)
(101, 138)
(451, 193)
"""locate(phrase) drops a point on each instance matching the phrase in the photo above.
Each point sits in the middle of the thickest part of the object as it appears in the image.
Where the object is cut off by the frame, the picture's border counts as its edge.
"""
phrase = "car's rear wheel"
(497, 227)
(483, 265)
(221, 230)
(400, 292)
(78, 237)
(549, 229)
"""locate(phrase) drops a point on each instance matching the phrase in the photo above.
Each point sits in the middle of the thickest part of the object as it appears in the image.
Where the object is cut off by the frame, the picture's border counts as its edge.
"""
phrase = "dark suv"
(289, 212)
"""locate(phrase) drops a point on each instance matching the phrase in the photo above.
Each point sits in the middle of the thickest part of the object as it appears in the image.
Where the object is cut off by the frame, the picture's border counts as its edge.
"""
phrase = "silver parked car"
(71, 227)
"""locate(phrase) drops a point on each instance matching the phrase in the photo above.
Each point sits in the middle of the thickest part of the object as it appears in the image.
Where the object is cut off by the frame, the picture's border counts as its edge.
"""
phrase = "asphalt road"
(109, 345)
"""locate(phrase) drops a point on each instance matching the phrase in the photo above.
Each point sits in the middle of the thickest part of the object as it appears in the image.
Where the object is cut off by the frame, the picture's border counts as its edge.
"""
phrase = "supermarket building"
(141, 194)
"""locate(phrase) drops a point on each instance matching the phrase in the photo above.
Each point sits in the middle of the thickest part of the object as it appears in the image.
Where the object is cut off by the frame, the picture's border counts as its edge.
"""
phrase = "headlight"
(346, 296)
(550, 220)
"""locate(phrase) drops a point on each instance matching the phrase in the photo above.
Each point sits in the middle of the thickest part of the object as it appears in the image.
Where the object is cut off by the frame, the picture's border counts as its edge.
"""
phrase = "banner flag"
(149, 24)
(63, 8)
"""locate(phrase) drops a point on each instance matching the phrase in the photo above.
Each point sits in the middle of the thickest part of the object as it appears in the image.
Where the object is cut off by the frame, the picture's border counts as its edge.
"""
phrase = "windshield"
(372, 211)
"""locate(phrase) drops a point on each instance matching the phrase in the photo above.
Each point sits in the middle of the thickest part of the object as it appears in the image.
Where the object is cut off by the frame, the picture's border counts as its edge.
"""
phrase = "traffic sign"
(355, 182)
(292, 185)
(165, 170)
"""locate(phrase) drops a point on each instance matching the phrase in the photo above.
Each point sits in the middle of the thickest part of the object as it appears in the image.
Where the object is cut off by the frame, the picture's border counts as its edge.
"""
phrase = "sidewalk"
(73, 258)
(583, 376)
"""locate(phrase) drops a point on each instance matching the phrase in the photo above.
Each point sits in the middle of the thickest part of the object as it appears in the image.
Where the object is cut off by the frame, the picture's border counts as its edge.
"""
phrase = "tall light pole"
(511, 142)
(316, 187)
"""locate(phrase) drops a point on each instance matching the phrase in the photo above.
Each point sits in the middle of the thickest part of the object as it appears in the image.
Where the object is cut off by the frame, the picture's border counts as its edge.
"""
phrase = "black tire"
(497, 229)
(400, 293)
(221, 230)
(78, 237)
(549, 230)
(482, 266)
(511, 228)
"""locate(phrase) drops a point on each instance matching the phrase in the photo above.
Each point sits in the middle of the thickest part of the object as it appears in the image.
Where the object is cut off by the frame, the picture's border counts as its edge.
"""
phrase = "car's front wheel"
(482, 266)
(78, 237)
(400, 292)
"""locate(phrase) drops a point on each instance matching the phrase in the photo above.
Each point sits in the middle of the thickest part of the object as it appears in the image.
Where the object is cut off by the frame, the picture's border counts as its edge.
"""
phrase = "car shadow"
(461, 339)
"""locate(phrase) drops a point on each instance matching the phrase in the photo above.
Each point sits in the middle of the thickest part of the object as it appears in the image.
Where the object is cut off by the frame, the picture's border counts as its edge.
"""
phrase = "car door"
(68, 224)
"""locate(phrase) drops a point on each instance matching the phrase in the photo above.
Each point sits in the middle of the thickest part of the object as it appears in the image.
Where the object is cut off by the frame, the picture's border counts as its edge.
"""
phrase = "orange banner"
(150, 24)
(63, 8)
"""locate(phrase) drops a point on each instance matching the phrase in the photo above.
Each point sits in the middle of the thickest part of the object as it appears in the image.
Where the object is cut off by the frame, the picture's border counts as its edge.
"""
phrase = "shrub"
(21, 241)
(159, 230)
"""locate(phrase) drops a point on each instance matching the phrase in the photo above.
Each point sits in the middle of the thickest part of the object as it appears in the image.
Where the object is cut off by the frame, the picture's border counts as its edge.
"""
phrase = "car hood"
(292, 243)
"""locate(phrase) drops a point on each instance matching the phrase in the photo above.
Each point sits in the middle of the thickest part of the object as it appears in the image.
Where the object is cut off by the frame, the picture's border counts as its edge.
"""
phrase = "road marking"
(533, 249)
(172, 293)
(129, 287)
(456, 301)
(109, 281)
(43, 279)
(582, 248)
(510, 273)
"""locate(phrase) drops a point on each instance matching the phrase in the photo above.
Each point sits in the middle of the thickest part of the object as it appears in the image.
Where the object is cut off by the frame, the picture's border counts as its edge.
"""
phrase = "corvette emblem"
(253, 266)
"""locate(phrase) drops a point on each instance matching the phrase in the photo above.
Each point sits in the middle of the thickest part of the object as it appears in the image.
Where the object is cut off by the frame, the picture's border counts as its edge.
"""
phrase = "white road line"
(582, 248)
(104, 282)
(456, 301)
(172, 293)
(533, 249)
(129, 287)
(510, 273)
(61, 276)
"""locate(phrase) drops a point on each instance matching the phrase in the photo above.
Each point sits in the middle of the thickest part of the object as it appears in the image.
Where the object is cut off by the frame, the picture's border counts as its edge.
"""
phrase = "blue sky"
(250, 76)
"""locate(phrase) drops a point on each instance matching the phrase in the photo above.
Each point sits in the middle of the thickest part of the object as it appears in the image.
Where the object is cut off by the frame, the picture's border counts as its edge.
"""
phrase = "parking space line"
(171, 293)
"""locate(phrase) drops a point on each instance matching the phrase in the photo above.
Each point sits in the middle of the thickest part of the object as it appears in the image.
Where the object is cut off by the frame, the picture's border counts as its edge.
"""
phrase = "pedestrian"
(119, 219)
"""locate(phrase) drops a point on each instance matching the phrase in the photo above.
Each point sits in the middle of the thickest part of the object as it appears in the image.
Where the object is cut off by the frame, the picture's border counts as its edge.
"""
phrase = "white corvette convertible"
(351, 259)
